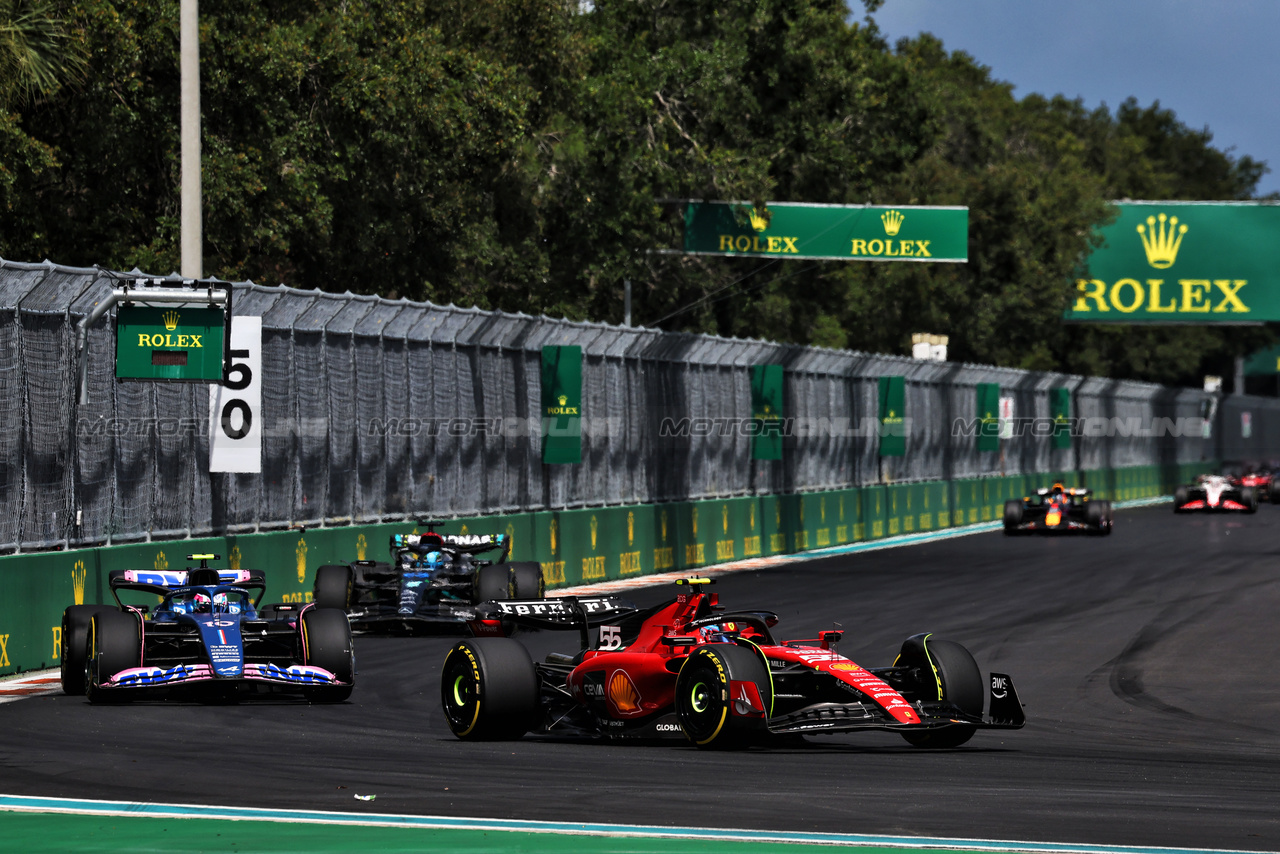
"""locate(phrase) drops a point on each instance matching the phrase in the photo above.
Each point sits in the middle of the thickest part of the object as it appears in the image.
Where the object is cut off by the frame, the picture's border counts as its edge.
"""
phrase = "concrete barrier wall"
(573, 546)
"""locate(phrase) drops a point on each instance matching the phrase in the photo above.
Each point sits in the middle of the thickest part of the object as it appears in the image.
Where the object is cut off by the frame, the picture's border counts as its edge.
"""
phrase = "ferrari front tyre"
(74, 645)
(710, 714)
(326, 642)
(526, 580)
(114, 645)
(333, 586)
(959, 682)
(489, 689)
(490, 583)
(1012, 516)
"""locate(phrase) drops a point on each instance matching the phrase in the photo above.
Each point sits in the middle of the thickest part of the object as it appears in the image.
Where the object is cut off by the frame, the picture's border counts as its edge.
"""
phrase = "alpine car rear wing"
(161, 582)
(563, 613)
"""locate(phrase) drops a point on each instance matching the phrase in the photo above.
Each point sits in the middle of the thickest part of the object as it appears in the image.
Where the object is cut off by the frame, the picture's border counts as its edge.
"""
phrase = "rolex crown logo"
(563, 400)
(759, 218)
(171, 320)
(301, 554)
(1161, 241)
(892, 222)
(595, 526)
(78, 574)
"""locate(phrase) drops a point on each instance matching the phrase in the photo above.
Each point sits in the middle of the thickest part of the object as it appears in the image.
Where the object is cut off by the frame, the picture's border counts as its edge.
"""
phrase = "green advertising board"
(1263, 363)
(828, 232)
(766, 412)
(988, 416)
(1060, 407)
(1184, 262)
(562, 404)
(893, 422)
(180, 344)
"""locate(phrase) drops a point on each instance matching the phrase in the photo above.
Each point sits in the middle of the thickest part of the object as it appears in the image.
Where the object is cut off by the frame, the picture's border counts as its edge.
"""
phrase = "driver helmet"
(435, 560)
(714, 634)
(222, 604)
(201, 603)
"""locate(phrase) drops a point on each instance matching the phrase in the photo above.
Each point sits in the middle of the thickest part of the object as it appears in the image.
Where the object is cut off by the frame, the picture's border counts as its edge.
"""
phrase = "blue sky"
(1215, 63)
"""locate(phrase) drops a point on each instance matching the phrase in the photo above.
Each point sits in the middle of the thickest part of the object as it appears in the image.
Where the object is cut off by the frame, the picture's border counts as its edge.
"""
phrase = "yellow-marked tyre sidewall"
(705, 671)
(459, 664)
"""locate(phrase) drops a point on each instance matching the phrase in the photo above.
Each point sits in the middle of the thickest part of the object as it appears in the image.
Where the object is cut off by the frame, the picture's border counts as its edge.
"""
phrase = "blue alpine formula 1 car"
(207, 637)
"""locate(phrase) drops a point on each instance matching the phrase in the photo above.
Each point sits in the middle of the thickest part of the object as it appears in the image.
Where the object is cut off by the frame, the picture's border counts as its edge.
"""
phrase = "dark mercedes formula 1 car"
(432, 581)
(1058, 509)
(1214, 492)
(207, 637)
(689, 668)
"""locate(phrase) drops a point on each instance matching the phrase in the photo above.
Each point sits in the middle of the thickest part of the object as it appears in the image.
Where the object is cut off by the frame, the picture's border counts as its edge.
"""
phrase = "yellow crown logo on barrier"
(301, 554)
(554, 535)
(595, 526)
(563, 399)
(631, 528)
(759, 218)
(78, 573)
(695, 522)
(171, 320)
(161, 562)
(892, 222)
(233, 560)
(1161, 242)
(724, 513)
(362, 547)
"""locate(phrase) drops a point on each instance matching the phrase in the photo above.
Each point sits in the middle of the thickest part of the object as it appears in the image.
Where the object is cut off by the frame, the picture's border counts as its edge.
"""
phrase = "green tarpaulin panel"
(893, 410)
(1060, 405)
(988, 416)
(766, 412)
(562, 404)
(1263, 363)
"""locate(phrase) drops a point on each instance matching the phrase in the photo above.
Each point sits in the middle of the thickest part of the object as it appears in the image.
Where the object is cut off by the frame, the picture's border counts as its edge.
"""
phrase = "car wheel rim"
(457, 691)
(698, 698)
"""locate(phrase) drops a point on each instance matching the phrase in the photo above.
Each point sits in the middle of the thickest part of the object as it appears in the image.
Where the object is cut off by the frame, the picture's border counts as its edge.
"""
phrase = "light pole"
(189, 48)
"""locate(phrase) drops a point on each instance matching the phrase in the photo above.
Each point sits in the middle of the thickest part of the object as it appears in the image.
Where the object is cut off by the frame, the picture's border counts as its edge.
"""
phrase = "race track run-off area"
(1146, 662)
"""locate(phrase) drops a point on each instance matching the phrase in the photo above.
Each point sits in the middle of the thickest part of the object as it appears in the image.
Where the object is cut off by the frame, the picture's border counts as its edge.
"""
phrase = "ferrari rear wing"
(560, 613)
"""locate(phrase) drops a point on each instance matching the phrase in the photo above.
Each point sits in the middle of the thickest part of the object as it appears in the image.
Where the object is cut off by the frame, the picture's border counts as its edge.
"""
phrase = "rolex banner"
(893, 405)
(828, 232)
(988, 416)
(766, 412)
(1184, 262)
(562, 404)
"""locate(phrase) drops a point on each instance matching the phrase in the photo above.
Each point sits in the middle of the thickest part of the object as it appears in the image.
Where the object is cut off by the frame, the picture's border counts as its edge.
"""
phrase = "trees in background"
(515, 154)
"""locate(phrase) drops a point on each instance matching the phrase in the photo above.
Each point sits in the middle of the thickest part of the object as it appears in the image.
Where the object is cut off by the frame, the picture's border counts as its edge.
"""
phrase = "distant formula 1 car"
(1213, 492)
(206, 637)
(1058, 510)
(1255, 476)
(689, 668)
(433, 580)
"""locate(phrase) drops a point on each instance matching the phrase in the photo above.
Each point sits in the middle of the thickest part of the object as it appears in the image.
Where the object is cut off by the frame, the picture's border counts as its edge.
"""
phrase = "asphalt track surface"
(1147, 662)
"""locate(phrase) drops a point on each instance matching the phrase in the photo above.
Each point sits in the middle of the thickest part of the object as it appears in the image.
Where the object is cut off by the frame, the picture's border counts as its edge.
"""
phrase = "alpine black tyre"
(526, 580)
(489, 689)
(74, 645)
(960, 683)
(491, 583)
(115, 644)
(333, 587)
(326, 642)
(710, 717)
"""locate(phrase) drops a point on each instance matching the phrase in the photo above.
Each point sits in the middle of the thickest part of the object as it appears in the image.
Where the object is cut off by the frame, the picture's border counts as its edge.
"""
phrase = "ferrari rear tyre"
(491, 583)
(489, 689)
(961, 684)
(74, 646)
(333, 586)
(115, 644)
(1012, 517)
(526, 580)
(326, 642)
(710, 714)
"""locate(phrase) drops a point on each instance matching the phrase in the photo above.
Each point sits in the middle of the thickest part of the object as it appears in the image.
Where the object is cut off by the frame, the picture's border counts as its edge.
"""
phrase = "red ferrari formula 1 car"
(1213, 492)
(688, 667)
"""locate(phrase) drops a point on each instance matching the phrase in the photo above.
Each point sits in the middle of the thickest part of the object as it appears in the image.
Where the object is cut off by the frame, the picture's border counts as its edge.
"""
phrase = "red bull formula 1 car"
(688, 668)
(1058, 510)
(1214, 492)
(206, 638)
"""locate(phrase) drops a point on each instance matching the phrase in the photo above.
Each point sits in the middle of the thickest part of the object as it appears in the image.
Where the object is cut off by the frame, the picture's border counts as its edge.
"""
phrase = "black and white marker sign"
(235, 407)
